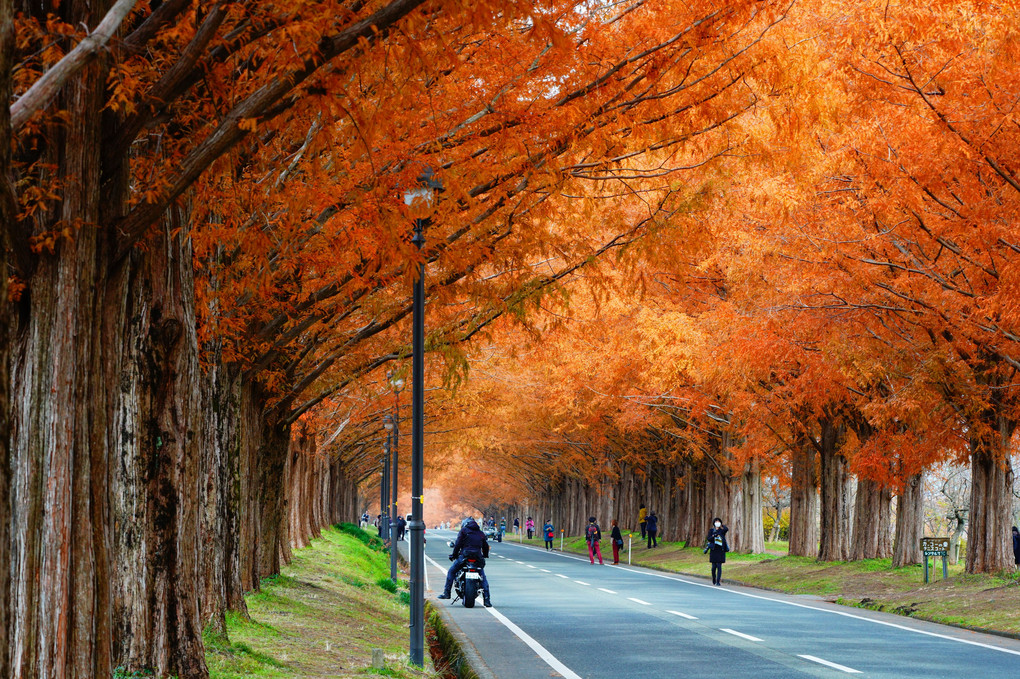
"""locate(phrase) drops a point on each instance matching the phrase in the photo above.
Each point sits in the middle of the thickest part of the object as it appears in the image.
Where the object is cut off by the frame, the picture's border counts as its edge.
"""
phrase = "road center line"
(538, 648)
(682, 615)
(739, 634)
(607, 591)
(561, 575)
(833, 665)
(638, 601)
(530, 566)
(580, 582)
(545, 570)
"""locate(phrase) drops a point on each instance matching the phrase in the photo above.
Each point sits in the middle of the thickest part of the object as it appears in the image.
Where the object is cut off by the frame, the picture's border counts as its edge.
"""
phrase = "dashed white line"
(638, 601)
(827, 663)
(521, 562)
(581, 582)
(530, 566)
(561, 575)
(682, 615)
(739, 634)
(607, 591)
(544, 570)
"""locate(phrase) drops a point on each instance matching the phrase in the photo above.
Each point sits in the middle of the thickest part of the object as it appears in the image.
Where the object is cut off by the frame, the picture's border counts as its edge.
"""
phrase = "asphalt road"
(557, 615)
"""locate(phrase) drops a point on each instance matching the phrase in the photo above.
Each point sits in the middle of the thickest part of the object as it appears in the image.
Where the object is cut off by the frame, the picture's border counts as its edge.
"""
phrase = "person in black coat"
(1016, 546)
(617, 537)
(716, 544)
(470, 542)
(653, 530)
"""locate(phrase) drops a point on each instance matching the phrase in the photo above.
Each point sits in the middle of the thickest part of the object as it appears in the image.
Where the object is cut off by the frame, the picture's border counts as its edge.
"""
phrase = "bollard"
(630, 542)
(561, 539)
(378, 660)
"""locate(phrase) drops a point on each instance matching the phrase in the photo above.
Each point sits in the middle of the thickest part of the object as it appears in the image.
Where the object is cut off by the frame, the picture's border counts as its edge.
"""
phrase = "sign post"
(935, 547)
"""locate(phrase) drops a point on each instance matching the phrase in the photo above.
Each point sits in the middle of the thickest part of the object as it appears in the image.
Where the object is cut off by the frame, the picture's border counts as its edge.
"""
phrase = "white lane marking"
(682, 615)
(607, 591)
(545, 655)
(520, 562)
(638, 601)
(580, 582)
(833, 665)
(739, 634)
(810, 608)
(561, 575)
(530, 566)
(544, 570)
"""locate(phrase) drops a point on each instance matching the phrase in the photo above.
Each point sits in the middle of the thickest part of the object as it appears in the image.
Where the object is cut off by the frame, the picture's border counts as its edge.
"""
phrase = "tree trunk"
(988, 538)
(872, 536)
(754, 529)
(909, 523)
(804, 502)
(834, 531)
(8, 212)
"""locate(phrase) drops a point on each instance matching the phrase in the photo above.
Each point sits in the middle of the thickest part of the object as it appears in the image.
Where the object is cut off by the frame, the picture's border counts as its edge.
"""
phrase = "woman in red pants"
(617, 537)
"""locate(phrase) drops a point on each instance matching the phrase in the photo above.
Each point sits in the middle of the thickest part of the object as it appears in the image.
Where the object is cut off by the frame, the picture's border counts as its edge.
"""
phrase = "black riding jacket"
(471, 541)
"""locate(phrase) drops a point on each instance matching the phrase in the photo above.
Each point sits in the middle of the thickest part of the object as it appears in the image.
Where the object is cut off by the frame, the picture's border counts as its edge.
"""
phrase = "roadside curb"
(464, 659)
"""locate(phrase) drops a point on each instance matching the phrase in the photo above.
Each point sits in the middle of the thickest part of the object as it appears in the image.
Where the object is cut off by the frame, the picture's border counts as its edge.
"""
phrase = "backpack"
(592, 532)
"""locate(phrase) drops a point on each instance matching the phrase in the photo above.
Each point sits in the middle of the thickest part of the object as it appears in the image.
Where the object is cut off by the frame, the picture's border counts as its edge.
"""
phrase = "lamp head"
(388, 423)
(427, 186)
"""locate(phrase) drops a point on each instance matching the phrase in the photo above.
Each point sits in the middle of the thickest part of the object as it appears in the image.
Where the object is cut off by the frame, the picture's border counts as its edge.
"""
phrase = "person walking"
(653, 530)
(517, 525)
(642, 517)
(1016, 546)
(530, 525)
(592, 535)
(502, 528)
(549, 532)
(617, 537)
(716, 544)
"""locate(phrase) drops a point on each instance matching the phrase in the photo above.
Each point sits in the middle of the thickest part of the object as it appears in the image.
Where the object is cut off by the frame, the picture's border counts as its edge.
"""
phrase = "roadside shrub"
(355, 531)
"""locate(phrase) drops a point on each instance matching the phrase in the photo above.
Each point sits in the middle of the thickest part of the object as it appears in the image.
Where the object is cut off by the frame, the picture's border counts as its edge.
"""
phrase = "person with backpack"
(549, 533)
(517, 525)
(617, 537)
(717, 545)
(642, 517)
(592, 535)
(530, 525)
(653, 530)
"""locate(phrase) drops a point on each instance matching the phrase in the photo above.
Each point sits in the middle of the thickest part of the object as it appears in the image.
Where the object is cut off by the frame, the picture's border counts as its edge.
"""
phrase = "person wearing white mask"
(716, 544)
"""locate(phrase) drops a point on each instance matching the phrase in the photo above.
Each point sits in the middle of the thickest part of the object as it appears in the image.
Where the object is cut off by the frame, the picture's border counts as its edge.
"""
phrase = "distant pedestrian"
(617, 537)
(502, 528)
(517, 525)
(530, 525)
(653, 530)
(401, 527)
(1016, 546)
(549, 533)
(642, 517)
(717, 547)
(592, 535)
(364, 521)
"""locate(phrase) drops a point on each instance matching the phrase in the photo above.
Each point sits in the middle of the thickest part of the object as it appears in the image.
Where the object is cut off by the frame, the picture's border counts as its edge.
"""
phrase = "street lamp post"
(393, 426)
(428, 186)
(384, 491)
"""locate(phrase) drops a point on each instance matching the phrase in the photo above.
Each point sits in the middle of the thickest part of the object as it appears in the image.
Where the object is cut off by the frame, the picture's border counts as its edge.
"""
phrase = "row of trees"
(207, 263)
(837, 302)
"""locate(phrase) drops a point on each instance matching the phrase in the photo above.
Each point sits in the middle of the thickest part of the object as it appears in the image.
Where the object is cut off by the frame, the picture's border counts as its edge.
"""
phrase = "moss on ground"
(321, 616)
(979, 601)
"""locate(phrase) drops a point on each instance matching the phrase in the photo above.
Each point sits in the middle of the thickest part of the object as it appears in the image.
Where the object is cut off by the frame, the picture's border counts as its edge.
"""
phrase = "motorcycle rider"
(470, 542)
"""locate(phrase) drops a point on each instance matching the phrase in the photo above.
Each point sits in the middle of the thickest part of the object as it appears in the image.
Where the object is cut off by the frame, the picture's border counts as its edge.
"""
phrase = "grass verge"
(321, 616)
(983, 601)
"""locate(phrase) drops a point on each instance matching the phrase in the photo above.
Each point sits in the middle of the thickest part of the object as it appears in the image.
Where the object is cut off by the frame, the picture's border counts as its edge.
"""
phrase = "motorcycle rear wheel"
(470, 593)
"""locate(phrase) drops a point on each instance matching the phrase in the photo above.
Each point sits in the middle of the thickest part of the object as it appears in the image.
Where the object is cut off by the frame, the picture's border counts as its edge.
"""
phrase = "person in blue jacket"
(653, 529)
(548, 532)
(470, 542)
(716, 544)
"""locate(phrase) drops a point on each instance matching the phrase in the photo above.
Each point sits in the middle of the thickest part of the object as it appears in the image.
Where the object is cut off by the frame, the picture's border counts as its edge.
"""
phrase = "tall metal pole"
(385, 489)
(395, 452)
(417, 525)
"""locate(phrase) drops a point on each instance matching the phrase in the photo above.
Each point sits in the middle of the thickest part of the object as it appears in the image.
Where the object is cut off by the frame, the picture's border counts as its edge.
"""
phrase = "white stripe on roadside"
(581, 582)
(538, 648)
(739, 634)
(682, 615)
(835, 666)
(545, 570)
(530, 566)
(561, 575)
(638, 601)
(607, 591)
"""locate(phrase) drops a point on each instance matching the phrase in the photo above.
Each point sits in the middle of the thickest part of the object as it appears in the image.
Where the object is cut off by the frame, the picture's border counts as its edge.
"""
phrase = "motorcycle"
(467, 584)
